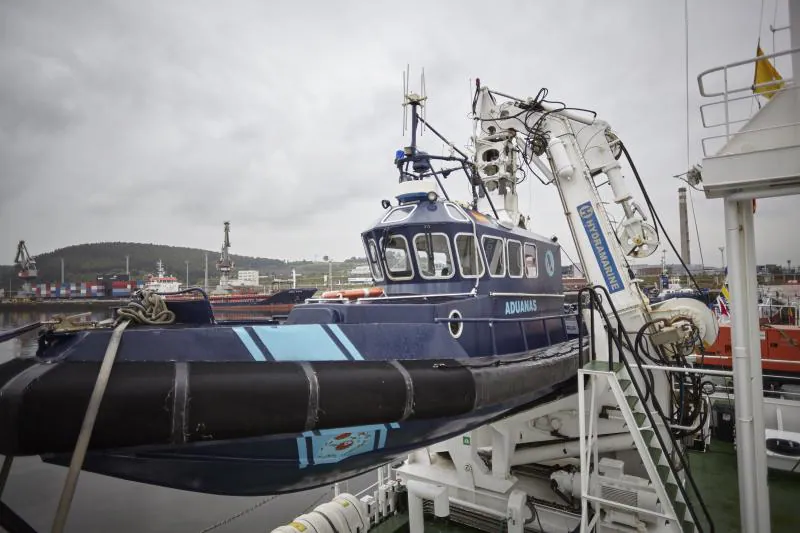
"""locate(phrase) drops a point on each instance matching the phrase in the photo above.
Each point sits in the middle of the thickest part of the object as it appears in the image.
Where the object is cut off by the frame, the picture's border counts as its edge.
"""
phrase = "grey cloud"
(153, 121)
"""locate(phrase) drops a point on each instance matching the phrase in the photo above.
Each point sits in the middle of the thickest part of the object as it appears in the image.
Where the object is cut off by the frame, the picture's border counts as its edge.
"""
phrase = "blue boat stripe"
(349, 346)
(382, 438)
(337, 342)
(394, 425)
(248, 343)
(299, 342)
(261, 346)
(302, 453)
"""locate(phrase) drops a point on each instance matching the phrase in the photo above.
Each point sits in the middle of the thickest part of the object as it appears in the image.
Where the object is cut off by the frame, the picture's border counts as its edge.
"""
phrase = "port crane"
(25, 263)
(225, 263)
(26, 267)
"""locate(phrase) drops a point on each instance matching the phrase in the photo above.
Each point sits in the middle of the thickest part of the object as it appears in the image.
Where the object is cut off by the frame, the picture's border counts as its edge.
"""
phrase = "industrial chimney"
(683, 217)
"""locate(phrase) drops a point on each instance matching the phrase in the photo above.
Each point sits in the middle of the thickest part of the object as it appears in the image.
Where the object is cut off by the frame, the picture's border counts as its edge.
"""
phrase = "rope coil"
(146, 307)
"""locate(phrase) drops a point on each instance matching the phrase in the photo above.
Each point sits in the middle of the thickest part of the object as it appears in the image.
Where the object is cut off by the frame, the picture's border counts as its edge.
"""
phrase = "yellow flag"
(766, 73)
(724, 291)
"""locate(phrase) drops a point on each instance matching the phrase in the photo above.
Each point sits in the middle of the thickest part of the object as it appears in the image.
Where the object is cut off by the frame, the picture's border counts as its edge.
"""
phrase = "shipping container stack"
(104, 287)
(120, 289)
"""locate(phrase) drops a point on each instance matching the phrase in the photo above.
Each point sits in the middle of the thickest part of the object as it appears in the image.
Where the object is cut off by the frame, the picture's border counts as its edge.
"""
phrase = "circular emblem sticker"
(549, 263)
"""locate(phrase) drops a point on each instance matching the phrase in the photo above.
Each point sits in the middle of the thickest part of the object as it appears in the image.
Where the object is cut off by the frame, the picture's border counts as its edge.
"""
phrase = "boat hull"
(288, 463)
(263, 409)
(779, 350)
(179, 403)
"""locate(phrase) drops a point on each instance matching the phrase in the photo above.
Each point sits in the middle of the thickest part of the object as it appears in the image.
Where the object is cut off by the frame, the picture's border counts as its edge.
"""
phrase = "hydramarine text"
(600, 249)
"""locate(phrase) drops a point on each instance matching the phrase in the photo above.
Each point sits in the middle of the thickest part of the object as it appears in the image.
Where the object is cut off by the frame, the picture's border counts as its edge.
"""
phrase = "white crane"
(501, 476)
(575, 152)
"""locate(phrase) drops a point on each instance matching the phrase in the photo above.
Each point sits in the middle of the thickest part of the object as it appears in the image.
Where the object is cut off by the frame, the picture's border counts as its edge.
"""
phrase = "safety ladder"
(654, 451)
(662, 456)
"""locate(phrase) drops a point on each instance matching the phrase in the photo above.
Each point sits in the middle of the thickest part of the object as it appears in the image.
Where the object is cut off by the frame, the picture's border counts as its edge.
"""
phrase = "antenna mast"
(414, 100)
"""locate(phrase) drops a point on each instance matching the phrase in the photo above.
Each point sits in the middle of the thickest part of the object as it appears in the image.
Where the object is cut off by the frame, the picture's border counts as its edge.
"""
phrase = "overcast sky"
(155, 121)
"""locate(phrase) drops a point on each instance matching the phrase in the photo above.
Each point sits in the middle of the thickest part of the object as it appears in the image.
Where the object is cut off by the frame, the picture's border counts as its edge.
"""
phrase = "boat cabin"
(428, 246)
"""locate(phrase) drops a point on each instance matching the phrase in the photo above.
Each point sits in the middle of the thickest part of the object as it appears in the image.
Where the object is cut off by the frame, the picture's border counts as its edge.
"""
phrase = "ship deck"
(715, 473)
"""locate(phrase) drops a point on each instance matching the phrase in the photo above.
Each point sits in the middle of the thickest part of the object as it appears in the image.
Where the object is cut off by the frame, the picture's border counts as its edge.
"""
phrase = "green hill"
(84, 262)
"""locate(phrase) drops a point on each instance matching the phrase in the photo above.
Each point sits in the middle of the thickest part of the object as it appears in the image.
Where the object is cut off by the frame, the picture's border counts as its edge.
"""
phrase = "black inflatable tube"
(8, 335)
(166, 403)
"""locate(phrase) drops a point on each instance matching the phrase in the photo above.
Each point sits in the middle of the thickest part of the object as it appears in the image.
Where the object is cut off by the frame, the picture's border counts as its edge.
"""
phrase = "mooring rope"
(147, 307)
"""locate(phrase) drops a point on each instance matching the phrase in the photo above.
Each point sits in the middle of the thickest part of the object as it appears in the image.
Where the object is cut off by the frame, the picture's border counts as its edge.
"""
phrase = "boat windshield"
(374, 265)
(531, 266)
(433, 255)
(514, 259)
(398, 259)
(495, 255)
(469, 258)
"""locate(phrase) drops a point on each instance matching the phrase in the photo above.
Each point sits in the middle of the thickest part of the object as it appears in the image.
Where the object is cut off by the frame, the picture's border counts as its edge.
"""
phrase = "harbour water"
(105, 504)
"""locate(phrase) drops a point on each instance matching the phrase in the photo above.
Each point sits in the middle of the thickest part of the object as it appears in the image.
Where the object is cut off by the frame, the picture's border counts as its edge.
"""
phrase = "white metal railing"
(726, 136)
(725, 99)
(774, 315)
(786, 314)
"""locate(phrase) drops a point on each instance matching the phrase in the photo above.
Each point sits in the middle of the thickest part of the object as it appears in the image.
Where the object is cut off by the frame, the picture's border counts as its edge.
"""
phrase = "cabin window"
(494, 251)
(515, 259)
(531, 264)
(434, 259)
(469, 258)
(455, 212)
(398, 260)
(399, 214)
(374, 263)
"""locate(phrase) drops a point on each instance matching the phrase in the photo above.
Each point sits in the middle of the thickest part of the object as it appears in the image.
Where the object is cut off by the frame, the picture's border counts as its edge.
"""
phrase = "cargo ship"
(273, 302)
(161, 282)
(283, 297)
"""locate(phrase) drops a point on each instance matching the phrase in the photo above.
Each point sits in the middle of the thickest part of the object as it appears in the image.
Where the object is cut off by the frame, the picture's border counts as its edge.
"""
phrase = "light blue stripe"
(354, 429)
(301, 342)
(337, 331)
(382, 438)
(249, 343)
(394, 425)
(302, 454)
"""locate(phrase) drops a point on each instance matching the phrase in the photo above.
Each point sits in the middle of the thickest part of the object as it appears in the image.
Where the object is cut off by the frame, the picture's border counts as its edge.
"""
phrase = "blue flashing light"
(399, 154)
(411, 197)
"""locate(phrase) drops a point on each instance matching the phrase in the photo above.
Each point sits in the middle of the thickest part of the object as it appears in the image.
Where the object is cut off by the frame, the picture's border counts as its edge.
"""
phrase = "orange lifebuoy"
(352, 294)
